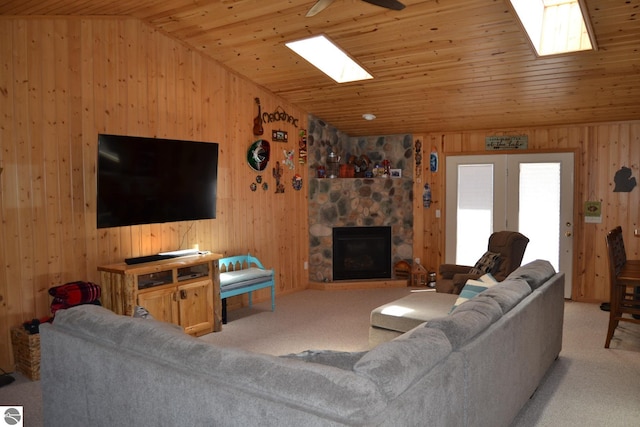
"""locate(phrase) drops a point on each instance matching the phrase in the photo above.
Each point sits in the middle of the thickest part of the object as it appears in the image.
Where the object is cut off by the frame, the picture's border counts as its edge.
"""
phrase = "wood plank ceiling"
(438, 65)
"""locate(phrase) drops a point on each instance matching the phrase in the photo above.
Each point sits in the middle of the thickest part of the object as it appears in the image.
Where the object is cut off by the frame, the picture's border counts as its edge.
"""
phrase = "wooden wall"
(601, 150)
(63, 81)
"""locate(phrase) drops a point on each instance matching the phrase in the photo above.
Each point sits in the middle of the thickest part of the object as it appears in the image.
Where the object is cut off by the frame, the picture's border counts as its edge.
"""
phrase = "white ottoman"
(397, 317)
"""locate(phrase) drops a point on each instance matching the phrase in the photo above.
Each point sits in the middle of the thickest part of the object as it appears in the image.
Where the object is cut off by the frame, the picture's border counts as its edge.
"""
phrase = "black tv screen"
(150, 180)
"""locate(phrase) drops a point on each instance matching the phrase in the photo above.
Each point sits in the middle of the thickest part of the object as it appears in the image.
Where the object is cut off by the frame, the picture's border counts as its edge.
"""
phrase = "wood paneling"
(437, 65)
(601, 150)
(63, 81)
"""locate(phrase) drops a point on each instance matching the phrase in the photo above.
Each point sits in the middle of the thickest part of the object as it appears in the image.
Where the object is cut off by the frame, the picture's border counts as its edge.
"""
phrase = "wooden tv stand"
(184, 291)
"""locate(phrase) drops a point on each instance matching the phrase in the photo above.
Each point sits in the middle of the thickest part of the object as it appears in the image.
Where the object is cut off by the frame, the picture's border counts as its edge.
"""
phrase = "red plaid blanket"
(73, 293)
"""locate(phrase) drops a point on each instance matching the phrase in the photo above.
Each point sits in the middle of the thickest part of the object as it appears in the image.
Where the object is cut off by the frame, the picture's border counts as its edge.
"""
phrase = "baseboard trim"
(341, 285)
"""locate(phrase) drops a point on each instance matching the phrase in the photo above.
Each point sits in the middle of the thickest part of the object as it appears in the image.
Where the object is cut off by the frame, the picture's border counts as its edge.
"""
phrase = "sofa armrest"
(447, 271)
(459, 280)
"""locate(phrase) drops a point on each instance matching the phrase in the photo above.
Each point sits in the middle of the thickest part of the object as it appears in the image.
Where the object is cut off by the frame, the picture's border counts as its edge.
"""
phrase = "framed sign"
(279, 136)
(518, 142)
(593, 212)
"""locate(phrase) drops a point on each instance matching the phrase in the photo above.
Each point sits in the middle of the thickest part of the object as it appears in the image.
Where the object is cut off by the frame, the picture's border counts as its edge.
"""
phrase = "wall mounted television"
(151, 180)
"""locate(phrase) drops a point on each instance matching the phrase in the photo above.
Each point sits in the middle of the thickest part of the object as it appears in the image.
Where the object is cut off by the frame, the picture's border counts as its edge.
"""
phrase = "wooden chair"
(624, 277)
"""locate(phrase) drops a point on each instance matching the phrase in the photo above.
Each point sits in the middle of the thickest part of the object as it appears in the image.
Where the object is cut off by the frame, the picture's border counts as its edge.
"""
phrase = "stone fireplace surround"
(357, 202)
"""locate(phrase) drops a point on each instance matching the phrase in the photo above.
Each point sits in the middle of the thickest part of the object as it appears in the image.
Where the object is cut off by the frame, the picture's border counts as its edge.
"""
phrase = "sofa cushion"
(474, 287)
(536, 273)
(467, 320)
(509, 293)
(488, 263)
(290, 382)
(245, 277)
(338, 359)
(393, 366)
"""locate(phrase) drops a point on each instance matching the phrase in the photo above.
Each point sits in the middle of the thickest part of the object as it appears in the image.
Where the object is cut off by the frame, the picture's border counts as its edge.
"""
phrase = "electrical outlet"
(306, 265)
(636, 232)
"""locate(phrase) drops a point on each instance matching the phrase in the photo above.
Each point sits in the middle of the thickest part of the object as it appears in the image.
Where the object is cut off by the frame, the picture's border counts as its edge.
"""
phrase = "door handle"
(183, 294)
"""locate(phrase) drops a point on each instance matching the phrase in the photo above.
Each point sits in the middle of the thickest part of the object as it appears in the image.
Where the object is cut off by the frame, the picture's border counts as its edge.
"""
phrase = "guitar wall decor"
(257, 122)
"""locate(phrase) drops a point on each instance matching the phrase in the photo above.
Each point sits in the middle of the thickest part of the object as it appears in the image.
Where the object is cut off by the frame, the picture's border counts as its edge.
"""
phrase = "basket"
(26, 352)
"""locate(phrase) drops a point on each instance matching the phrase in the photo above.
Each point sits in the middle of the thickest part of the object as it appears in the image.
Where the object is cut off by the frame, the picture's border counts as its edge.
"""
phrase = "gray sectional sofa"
(474, 367)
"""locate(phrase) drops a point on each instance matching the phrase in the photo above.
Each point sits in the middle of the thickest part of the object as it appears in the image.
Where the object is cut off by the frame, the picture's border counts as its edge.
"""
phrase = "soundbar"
(161, 256)
(148, 258)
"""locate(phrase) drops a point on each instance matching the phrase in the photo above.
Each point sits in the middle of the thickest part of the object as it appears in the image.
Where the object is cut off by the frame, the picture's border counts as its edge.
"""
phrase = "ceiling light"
(555, 26)
(329, 58)
(368, 116)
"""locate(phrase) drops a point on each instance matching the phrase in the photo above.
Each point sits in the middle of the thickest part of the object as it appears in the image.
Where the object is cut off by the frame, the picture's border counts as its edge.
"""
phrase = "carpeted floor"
(588, 385)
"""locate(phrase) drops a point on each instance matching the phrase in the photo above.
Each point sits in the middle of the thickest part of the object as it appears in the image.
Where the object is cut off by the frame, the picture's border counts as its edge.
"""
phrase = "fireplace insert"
(361, 253)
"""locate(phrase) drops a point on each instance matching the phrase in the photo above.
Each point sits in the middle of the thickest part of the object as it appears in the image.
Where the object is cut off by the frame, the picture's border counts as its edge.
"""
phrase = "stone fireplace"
(359, 201)
(361, 253)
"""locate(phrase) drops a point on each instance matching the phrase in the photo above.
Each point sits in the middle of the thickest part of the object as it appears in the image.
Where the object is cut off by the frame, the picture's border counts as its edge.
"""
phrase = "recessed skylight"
(555, 26)
(329, 58)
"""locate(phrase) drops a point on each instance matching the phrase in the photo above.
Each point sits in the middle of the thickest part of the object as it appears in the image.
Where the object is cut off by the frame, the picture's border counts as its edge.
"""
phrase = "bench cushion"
(246, 277)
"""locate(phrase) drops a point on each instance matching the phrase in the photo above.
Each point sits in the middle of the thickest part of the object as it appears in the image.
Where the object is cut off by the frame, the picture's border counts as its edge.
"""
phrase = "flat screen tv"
(151, 180)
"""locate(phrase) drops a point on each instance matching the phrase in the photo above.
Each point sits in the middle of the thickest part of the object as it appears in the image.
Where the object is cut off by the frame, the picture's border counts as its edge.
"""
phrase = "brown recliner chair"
(510, 245)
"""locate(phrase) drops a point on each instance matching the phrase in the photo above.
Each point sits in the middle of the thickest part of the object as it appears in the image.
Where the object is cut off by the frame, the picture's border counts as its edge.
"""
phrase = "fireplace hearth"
(361, 253)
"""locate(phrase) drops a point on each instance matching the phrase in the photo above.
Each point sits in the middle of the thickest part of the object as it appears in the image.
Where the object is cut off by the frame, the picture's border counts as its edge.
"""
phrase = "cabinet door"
(195, 302)
(161, 304)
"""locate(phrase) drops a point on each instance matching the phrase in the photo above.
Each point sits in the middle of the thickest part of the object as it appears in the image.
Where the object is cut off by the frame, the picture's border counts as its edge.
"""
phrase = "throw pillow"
(473, 288)
(488, 263)
(142, 313)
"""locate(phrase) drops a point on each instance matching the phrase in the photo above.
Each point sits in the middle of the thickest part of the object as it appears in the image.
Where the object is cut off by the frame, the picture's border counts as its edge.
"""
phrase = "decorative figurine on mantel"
(333, 161)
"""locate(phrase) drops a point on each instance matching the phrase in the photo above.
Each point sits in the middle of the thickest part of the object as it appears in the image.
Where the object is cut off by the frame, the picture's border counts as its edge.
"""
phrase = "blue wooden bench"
(243, 274)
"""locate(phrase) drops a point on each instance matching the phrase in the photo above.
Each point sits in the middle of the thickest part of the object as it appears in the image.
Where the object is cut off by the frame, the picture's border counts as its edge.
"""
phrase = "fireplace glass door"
(361, 253)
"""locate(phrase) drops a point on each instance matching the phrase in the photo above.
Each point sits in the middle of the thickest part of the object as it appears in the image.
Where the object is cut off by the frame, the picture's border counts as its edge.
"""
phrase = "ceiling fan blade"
(318, 7)
(389, 4)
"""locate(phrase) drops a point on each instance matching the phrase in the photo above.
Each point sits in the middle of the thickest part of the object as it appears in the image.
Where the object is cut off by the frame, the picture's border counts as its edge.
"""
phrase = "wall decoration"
(258, 155)
(254, 185)
(279, 115)
(518, 142)
(302, 147)
(279, 136)
(277, 174)
(288, 159)
(395, 173)
(593, 212)
(296, 182)
(433, 160)
(426, 196)
(624, 180)
(257, 122)
(418, 159)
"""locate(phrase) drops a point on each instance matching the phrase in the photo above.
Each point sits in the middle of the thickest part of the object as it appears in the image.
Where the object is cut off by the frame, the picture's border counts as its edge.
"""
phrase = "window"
(329, 58)
(555, 26)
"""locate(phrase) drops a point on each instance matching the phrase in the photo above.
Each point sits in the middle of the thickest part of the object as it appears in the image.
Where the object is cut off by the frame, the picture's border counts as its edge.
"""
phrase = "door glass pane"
(539, 211)
(475, 211)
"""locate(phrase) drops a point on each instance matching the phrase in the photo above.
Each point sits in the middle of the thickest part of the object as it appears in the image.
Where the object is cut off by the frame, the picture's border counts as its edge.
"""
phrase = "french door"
(529, 193)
